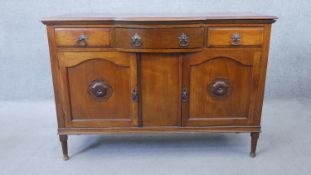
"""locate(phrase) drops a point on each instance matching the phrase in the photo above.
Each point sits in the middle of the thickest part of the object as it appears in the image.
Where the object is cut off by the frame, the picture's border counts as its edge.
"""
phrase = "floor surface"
(29, 146)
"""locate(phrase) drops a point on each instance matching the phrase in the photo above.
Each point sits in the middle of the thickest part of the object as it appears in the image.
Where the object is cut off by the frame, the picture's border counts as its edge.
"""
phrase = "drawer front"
(83, 37)
(164, 38)
(234, 36)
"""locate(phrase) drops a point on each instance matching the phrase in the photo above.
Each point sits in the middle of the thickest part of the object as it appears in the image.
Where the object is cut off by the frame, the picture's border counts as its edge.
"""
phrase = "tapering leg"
(63, 140)
(254, 136)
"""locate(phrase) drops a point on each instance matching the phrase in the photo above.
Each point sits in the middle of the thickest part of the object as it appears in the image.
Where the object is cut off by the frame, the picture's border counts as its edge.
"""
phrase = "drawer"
(83, 37)
(234, 36)
(159, 38)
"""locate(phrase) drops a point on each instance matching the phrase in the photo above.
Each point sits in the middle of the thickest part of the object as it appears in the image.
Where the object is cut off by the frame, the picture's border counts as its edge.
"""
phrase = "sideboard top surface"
(172, 17)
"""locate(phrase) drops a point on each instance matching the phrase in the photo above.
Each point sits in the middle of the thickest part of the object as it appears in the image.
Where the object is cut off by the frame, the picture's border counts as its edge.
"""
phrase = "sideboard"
(158, 73)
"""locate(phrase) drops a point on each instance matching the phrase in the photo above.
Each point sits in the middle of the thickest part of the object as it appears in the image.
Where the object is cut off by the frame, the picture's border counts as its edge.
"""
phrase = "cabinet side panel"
(262, 78)
(54, 70)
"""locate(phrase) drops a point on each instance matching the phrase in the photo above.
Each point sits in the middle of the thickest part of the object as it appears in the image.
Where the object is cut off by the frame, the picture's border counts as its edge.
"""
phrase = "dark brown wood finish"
(161, 18)
(160, 89)
(151, 74)
(222, 36)
(73, 37)
(239, 68)
(254, 137)
(163, 38)
(80, 70)
(63, 139)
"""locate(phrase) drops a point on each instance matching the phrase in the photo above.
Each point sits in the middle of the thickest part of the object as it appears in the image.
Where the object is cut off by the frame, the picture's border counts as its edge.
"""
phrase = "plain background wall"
(25, 68)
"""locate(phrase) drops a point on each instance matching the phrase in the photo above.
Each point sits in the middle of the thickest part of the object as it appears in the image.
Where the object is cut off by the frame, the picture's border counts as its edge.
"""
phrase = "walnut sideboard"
(151, 74)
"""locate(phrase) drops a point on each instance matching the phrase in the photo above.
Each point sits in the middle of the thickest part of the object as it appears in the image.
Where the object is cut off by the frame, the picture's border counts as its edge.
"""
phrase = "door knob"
(100, 89)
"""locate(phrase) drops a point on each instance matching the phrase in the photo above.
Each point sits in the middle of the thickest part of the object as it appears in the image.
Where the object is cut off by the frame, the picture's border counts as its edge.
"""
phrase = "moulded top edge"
(155, 17)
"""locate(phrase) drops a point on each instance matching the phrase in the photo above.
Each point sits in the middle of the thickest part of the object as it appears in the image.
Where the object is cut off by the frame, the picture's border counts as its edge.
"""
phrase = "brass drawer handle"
(136, 40)
(82, 40)
(235, 39)
(183, 40)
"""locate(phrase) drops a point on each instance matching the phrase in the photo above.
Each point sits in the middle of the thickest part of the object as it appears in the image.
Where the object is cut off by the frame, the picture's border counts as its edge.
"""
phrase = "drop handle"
(82, 40)
(235, 39)
(136, 40)
(183, 40)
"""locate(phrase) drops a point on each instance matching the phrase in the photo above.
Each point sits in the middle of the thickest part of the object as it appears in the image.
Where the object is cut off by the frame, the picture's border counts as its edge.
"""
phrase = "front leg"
(254, 136)
(63, 139)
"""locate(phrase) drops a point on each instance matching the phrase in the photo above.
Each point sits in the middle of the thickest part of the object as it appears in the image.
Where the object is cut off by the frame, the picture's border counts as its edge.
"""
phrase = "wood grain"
(80, 70)
(155, 130)
(90, 18)
(96, 37)
(159, 70)
(238, 68)
(159, 38)
(222, 36)
(55, 76)
(160, 89)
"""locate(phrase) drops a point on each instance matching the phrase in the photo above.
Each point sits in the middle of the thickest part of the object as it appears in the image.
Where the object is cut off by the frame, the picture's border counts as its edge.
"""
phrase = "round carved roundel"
(100, 89)
(219, 88)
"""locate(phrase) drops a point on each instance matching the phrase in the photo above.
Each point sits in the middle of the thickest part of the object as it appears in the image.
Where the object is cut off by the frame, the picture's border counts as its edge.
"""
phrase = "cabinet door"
(97, 88)
(220, 87)
(160, 79)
